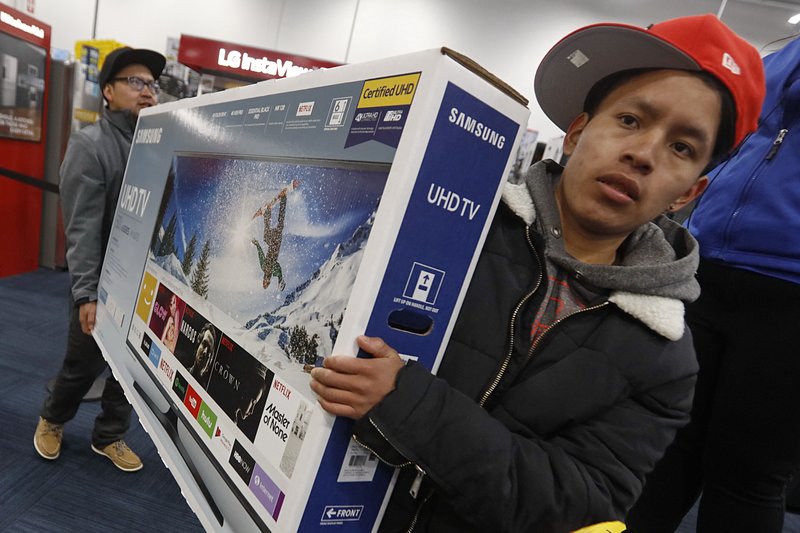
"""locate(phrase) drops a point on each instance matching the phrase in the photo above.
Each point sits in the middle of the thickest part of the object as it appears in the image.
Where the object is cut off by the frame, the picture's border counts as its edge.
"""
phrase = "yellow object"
(605, 527)
(103, 46)
(397, 90)
(147, 296)
(86, 116)
(89, 57)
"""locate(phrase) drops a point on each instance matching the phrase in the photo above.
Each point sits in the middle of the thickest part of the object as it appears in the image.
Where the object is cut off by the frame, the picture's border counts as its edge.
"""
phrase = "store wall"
(509, 37)
(70, 20)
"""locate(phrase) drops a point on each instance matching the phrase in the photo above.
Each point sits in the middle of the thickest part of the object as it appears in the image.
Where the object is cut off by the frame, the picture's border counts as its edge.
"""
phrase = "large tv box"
(259, 230)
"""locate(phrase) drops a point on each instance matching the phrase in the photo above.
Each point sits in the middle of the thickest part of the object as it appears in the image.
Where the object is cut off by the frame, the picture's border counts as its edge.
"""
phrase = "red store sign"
(240, 61)
(26, 28)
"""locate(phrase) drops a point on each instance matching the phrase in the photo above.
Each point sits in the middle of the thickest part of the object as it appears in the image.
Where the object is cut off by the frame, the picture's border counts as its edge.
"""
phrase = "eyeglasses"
(137, 84)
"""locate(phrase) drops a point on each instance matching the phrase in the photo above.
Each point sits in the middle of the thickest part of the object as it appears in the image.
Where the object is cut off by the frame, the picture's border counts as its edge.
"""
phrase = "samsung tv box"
(261, 229)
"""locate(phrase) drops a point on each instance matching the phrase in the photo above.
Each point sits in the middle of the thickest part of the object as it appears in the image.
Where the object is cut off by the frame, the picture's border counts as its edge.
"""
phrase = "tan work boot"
(122, 456)
(47, 439)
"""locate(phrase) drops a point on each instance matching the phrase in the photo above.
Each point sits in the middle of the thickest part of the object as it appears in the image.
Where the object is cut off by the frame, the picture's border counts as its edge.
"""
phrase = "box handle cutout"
(410, 321)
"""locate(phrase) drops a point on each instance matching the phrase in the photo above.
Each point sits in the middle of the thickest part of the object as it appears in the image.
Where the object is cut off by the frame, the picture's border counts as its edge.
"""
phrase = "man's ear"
(574, 132)
(693, 192)
(108, 91)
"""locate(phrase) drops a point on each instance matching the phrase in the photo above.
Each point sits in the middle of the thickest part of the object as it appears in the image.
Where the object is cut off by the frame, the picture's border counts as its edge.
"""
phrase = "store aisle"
(80, 491)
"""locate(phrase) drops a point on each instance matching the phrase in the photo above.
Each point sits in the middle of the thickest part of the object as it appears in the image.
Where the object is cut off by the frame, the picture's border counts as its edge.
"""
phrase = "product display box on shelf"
(259, 230)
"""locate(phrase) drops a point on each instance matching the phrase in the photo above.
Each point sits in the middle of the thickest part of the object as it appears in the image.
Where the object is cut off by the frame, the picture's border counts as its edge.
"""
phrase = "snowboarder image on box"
(273, 237)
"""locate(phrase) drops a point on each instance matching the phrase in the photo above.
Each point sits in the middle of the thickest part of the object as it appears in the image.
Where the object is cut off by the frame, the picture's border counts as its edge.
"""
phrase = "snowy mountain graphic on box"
(172, 265)
(249, 371)
(318, 304)
(275, 282)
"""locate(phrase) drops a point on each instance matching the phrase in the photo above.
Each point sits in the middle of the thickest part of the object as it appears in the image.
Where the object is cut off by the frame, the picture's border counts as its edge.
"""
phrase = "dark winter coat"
(560, 435)
(91, 178)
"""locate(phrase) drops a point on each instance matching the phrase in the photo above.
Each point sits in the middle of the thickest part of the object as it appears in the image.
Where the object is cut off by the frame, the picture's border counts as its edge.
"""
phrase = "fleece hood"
(658, 260)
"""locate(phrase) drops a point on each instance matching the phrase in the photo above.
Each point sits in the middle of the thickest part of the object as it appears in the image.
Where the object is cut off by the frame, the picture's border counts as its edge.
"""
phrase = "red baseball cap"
(697, 43)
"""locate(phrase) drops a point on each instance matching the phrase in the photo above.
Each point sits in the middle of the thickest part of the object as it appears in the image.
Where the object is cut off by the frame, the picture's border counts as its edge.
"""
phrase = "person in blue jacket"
(742, 446)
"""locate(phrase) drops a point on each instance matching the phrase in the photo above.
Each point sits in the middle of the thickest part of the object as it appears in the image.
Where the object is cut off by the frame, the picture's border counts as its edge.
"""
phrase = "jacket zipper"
(776, 144)
(402, 465)
(415, 485)
(535, 343)
(755, 173)
(504, 366)
(413, 523)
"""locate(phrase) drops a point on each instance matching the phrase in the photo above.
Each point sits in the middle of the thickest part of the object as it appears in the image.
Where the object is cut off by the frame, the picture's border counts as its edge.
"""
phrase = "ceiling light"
(795, 19)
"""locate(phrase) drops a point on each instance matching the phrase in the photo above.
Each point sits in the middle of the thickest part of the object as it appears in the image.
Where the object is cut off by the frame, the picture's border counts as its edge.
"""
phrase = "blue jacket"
(749, 217)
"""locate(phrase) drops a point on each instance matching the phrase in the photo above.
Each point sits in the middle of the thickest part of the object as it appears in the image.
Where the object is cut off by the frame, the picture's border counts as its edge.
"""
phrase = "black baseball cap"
(120, 58)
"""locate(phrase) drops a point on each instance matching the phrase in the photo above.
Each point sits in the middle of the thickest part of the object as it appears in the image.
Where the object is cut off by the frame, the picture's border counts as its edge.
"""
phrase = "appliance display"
(22, 68)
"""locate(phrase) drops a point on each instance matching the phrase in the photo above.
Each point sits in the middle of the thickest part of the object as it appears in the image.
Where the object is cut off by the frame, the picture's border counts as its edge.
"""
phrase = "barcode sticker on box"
(359, 464)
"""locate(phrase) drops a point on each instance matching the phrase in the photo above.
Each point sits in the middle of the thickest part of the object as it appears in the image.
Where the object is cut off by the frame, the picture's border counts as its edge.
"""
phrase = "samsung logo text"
(149, 135)
(479, 129)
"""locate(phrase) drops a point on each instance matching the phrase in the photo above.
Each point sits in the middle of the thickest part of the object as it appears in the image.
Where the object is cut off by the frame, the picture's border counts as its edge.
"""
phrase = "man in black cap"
(91, 177)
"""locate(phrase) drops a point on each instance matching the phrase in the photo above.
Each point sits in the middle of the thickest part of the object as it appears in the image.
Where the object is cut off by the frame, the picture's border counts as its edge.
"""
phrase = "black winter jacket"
(543, 438)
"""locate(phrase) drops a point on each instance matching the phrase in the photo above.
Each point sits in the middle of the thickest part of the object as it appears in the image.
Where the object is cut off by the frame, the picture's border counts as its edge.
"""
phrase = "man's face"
(120, 95)
(642, 151)
(247, 409)
(204, 349)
